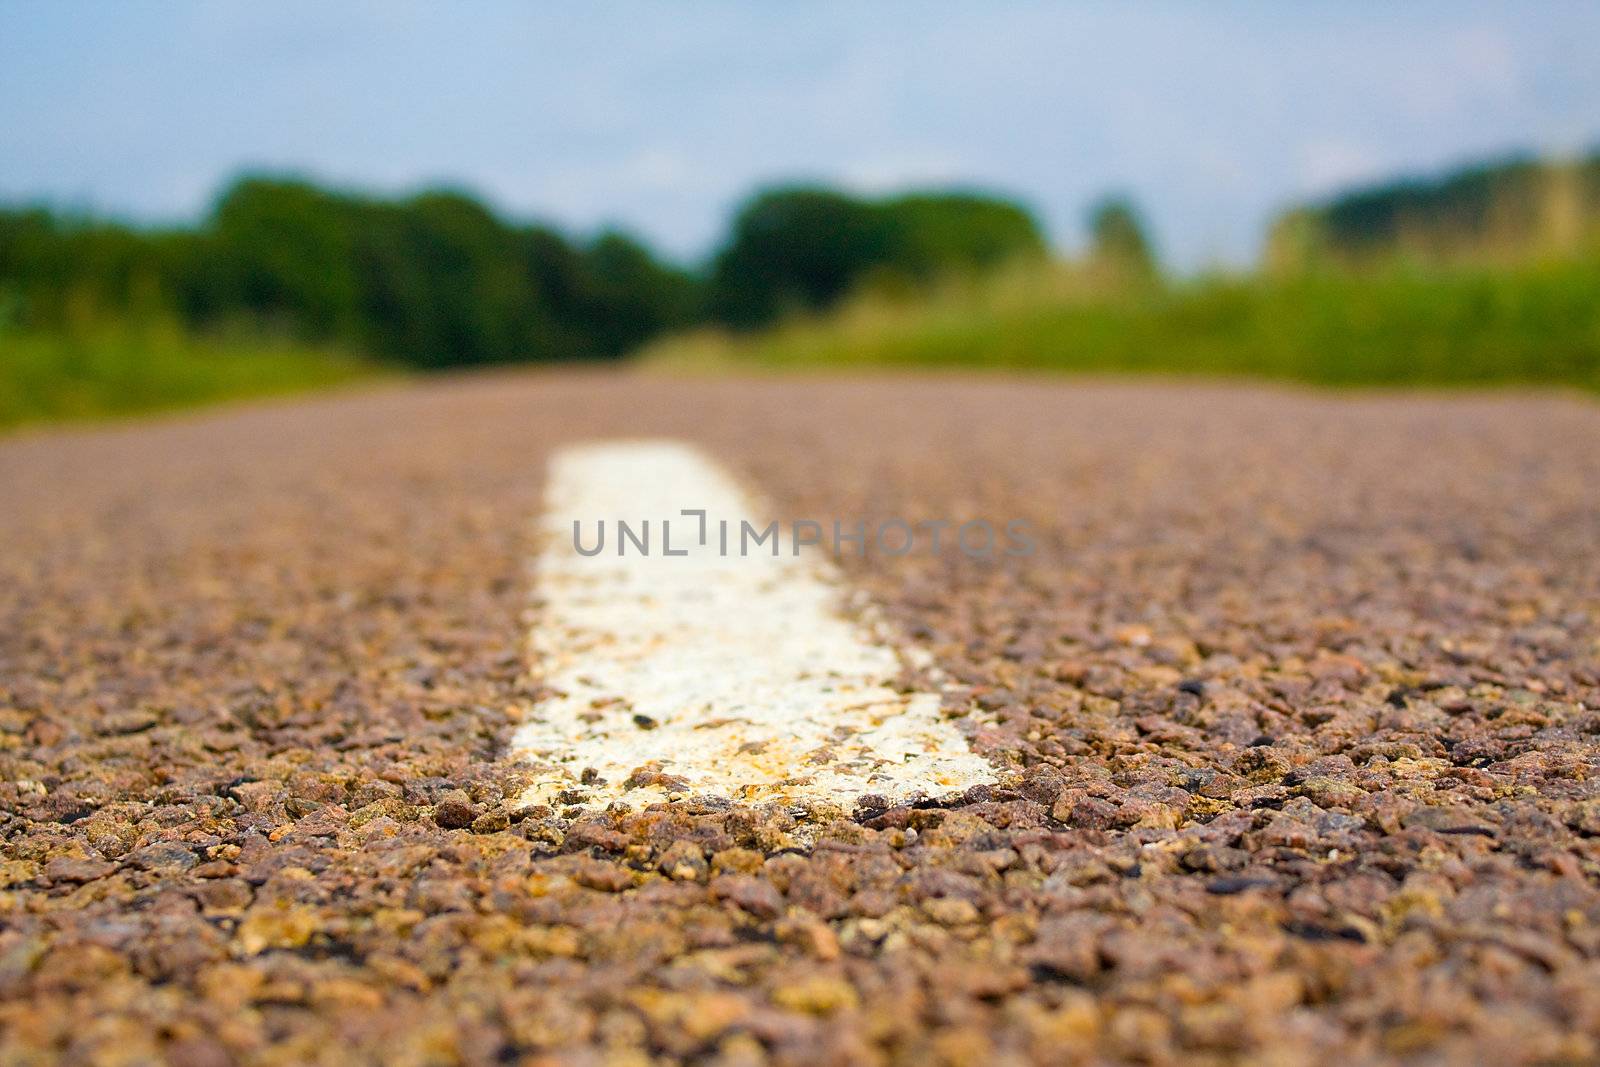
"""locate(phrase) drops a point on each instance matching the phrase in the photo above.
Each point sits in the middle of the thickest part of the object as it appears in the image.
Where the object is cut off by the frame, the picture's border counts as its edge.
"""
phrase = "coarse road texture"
(1294, 714)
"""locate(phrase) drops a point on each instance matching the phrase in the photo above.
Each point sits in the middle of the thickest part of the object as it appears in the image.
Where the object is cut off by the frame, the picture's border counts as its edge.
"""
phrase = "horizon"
(659, 124)
(704, 259)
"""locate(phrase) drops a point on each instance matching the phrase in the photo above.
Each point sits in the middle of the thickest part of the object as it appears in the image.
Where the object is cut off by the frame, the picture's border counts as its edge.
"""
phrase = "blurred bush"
(1393, 326)
(433, 280)
(800, 249)
(1490, 274)
(1494, 214)
(437, 279)
(102, 367)
(1119, 246)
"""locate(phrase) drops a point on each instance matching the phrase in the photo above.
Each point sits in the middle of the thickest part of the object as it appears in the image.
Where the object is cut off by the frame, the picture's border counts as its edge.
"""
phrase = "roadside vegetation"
(286, 284)
(429, 281)
(1485, 277)
(116, 369)
(1401, 325)
(1488, 275)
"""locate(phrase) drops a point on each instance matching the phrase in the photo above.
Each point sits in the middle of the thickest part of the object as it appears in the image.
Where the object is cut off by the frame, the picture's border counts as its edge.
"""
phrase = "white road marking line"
(709, 674)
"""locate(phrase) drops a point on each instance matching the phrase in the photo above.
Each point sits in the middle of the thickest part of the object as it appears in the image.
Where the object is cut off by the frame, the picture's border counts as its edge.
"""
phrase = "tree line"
(1493, 213)
(439, 279)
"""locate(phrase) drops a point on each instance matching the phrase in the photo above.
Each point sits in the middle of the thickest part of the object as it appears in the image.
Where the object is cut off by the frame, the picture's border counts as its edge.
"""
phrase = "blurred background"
(202, 201)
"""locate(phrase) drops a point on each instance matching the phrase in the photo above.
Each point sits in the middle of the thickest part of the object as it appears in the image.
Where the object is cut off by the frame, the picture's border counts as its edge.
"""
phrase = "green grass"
(1528, 325)
(107, 371)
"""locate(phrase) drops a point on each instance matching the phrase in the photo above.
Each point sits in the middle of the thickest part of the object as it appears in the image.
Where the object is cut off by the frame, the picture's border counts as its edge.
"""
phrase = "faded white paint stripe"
(709, 674)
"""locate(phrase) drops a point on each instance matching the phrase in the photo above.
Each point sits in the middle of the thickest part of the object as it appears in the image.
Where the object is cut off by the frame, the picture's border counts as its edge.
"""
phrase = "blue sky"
(660, 116)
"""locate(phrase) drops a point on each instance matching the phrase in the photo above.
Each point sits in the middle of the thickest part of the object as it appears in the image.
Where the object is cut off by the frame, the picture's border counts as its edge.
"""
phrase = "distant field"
(119, 370)
(1528, 325)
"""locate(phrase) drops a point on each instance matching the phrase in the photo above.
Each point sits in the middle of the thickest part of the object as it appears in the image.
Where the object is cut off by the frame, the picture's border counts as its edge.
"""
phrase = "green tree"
(1117, 239)
(941, 233)
(629, 296)
(804, 247)
(792, 249)
(282, 252)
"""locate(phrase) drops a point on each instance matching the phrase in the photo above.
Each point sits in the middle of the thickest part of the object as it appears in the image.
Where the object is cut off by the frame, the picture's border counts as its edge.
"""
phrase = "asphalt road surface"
(1292, 718)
